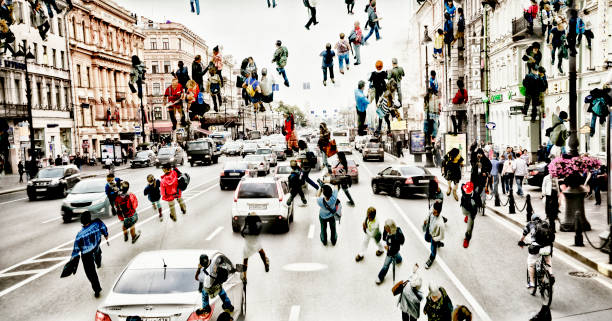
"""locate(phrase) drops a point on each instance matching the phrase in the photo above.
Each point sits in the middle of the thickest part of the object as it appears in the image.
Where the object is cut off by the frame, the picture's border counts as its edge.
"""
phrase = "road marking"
(19, 199)
(304, 267)
(311, 231)
(9, 274)
(294, 315)
(210, 237)
(52, 219)
(50, 259)
(65, 260)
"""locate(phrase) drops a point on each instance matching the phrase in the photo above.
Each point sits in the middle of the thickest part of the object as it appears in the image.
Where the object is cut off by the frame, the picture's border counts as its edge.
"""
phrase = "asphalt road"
(488, 277)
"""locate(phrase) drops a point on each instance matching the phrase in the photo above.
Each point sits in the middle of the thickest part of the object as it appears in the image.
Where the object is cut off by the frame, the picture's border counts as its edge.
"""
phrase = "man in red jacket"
(126, 204)
(461, 97)
(170, 190)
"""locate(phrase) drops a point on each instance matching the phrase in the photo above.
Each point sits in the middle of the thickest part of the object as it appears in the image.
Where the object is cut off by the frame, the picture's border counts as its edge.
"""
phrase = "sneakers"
(324, 83)
(351, 203)
(444, 219)
(161, 218)
(358, 258)
(97, 293)
(267, 264)
(303, 204)
(125, 237)
(440, 244)
(202, 311)
(466, 243)
(379, 253)
(428, 264)
(333, 81)
(173, 216)
(530, 286)
(135, 238)
(379, 281)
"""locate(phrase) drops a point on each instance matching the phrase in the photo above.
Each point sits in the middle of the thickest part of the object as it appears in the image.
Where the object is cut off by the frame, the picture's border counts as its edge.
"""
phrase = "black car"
(536, 174)
(202, 150)
(143, 158)
(54, 181)
(232, 174)
(400, 180)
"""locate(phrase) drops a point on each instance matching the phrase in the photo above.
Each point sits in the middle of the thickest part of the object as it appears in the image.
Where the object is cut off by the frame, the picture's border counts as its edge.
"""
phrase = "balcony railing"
(520, 28)
(13, 110)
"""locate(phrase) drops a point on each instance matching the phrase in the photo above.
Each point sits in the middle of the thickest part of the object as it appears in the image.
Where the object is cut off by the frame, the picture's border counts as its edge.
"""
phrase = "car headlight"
(172, 159)
(30, 183)
(98, 201)
(66, 203)
(54, 181)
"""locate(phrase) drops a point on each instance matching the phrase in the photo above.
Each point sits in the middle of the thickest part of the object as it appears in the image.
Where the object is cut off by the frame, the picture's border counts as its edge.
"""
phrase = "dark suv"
(53, 181)
(202, 150)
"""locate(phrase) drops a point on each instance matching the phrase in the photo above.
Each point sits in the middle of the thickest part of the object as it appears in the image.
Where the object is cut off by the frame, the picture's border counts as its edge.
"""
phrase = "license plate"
(258, 206)
(79, 210)
(156, 319)
(41, 188)
(234, 174)
(423, 181)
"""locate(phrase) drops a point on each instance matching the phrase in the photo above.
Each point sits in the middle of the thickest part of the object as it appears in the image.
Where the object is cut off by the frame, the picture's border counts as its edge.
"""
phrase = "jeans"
(361, 118)
(357, 49)
(386, 121)
(324, 160)
(519, 185)
(372, 30)
(309, 180)
(313, 16)
(470, 223)
(331, 72)
(495, 183)
(296, 193)
(226, 301)
(332, 226)
(509, 177)
(282, 71)
(195, 7)
(535, 104)
(89, 266)
(388, 260)
(273, 3)
(434, 250)
(343, 58)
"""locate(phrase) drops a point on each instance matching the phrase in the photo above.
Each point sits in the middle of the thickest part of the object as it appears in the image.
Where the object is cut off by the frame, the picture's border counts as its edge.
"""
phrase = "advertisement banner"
(118, 153)
(398, 124)
(107, 151)
(417, 142)
(458, 141)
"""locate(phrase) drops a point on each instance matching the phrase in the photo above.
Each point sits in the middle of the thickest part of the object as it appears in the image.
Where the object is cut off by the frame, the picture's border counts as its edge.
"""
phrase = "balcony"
(520, 29)
(13, 110)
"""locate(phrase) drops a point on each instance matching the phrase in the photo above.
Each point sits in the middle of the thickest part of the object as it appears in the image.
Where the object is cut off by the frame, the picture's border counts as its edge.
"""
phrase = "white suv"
(269, 154)
(265, 196)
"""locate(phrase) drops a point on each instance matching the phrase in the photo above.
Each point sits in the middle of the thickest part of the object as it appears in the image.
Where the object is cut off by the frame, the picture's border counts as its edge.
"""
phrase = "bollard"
(578, 241)
(512, 209)
(529, 207)
(497, 200)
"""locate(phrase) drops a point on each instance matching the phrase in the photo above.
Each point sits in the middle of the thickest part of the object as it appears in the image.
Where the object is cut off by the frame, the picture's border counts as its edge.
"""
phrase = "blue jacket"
(109, 192)
(323, 212)
(362, 101)
(153, 192)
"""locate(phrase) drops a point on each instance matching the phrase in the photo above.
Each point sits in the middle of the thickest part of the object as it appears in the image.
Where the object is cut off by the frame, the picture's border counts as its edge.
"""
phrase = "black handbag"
(239, 81)
(70, 267)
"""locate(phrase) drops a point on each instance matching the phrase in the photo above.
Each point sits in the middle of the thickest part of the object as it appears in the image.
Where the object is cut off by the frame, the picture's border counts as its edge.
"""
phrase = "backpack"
(352, 37)
(311, 160)
(543, 235)
(127, 205)
(183, 181)
(222, 275)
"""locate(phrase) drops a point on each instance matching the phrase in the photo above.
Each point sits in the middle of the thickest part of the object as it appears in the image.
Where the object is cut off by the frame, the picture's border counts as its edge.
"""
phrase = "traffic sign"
(491, 125)
(136, 130)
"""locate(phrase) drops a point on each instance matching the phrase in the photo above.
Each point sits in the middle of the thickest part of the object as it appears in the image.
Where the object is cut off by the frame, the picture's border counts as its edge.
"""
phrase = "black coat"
(485, 168)
(252, 225)
(394, 241)
(197, 74)
(153, 192)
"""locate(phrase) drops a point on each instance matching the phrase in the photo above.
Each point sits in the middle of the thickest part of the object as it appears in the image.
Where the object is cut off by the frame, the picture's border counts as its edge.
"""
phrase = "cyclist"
(541, 238)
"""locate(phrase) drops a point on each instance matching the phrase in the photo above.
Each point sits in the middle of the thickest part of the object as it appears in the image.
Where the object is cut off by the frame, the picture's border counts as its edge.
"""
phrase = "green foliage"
(298, 115)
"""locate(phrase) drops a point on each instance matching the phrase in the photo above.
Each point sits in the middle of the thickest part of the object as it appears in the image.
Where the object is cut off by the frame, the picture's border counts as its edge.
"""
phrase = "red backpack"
(126, 205)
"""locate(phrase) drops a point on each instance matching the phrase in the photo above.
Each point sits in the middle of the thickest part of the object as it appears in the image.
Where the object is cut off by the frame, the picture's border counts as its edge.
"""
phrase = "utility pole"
(486, 68)
(573, 115)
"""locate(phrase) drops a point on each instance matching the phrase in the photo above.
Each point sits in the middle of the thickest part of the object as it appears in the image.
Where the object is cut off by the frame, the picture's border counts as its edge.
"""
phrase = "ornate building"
(103, 37)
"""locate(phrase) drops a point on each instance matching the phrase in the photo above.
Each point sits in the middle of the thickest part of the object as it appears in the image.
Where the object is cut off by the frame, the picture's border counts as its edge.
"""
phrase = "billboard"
(417, 142)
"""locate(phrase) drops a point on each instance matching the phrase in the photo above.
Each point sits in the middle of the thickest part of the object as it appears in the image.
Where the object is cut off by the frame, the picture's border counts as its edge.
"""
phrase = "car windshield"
(264, 151)
(336, 134)
(254, 158)
(250, 146)
(156, 281)
(51, 173)
(283, 170)
(89, 186)
(258, 190)
(413, 171)
(142, 154)
(343, 144)
(166, 151)
(235, 165)
(198, 145)
(373, 145)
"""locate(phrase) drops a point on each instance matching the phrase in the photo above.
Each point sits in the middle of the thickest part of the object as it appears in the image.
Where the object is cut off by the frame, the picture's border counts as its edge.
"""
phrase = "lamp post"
(428, 148)
(29, 57)
(573, 142)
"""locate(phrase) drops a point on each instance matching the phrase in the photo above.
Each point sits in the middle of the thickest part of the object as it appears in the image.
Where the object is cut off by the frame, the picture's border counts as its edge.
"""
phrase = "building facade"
(103, 37)
(49, 80)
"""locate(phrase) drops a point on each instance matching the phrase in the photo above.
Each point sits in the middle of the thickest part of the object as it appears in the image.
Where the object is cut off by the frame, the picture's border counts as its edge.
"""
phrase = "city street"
(307, 281)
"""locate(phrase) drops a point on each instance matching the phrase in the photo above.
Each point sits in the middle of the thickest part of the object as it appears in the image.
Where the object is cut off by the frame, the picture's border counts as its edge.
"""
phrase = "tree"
(298, 115)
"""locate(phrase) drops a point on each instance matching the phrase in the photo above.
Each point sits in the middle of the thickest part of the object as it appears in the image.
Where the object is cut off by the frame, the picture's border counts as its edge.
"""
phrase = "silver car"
(269, 154)
(160, 286)
(257, 163)
(86, 196)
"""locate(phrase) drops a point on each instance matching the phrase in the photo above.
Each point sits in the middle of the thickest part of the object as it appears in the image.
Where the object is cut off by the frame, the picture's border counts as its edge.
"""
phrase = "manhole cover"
(585, 275)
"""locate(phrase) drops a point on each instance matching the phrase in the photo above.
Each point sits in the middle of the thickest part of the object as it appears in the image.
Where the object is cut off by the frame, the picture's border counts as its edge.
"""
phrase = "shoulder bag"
(336, 212)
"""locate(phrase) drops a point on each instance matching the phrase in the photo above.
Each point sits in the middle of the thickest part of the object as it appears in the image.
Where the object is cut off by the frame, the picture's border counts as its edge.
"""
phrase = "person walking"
(214, 88)
(87, 244)
(350, 4)
(280, 58)
(433, 226)
(470, 202)
(311, 5)
(362, 103)
(372, 23)
(153, 192)
(451, 170)
(20, 170)
(378, 81)
(356, 38)
(481, 169)
(508, 172)
(309, 161)
(396, 73)
(342, 170)
(394, 239)
(211, 278)
(411, 297)
(399, 148)
(170, 190)
(327, 212)
(521, 170)
(112, 190)
(371, 232)
(126, 204)
(438, 306)
(323, 143)
(197, 71)
(295, 183)
(343, 47)
(496, 166)
(328, 63)
(250, 232)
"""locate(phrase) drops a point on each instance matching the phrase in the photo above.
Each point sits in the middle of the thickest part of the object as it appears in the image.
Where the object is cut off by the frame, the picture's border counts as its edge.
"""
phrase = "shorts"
(532, 259)
(437, 51)
(129, 222)
(251, 246)
(156, 205)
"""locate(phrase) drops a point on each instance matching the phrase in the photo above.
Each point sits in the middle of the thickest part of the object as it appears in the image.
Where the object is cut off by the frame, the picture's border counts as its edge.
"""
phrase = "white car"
(265, 196)
(361, 141)
(345, 146)
(269, 154)
(231, 149)
(161, 286)
(258, 163)
(282, 171)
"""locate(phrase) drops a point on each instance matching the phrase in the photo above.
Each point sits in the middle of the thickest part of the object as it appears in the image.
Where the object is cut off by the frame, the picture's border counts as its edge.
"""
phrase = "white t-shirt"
(520, 167)
(266, 85)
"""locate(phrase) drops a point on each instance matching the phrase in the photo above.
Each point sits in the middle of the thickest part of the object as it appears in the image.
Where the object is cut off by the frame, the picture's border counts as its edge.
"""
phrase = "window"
(2, 90)
(45, 57)
(156, 89)
(39, 91)
(153, 43)
(60, 27)
(157, 114)
(57, 97)
(154, 67)
(67, 97)
(166, 44)
(88, 77)
(78, 76)
(83, 30)
(35, 52)
(18, 87)
(74, 28)
(54, 57)
(167, 67)
(180, 44)
(63, 62)
(49, 95)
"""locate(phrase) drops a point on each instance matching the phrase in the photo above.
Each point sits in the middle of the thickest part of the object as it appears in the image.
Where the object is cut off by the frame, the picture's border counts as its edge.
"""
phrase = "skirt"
(251, 246)
(128, 222)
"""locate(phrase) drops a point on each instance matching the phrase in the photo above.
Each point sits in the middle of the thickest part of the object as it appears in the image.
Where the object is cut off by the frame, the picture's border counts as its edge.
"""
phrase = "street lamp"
(27, 58)
(428, 148)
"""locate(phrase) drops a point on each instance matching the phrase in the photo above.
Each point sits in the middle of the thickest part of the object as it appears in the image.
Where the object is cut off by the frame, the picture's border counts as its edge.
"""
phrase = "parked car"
(53, 181)
(202, 151)
(266, 197)
(231, 174)
(257, 163)
(373, 150)
(143, 158)
(280, 152)
(536, 174)
(231, 149)
(352, 171)
(268, 154)
(86, 196)
(360, 142)
(400, 180)
(170, 155)
(249, 148)
(160, 286)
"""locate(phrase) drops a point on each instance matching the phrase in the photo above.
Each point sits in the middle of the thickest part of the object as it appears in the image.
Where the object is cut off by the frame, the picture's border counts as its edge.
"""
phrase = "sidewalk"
(564, 241)
(10, 183)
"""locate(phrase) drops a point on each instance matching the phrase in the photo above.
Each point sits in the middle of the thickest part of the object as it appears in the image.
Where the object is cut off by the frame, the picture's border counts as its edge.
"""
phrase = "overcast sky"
(248, 28)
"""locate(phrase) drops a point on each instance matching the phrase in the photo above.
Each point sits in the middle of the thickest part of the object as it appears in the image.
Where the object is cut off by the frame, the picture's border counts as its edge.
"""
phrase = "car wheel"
(364, 159)
(32, 197)
(64, 192)
(235, 228)
(222, 187)
(66, 219)
(375, 188)
(286, 225)
(191, 164)
(382, 159)
(398, 191)
(156, 165)
(356, 180)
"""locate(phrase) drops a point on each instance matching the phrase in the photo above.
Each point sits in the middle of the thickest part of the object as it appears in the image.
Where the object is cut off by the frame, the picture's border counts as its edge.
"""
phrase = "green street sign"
(497, 98)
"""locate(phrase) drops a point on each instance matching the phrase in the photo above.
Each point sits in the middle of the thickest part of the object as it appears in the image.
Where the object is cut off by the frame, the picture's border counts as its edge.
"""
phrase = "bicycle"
(542, 279)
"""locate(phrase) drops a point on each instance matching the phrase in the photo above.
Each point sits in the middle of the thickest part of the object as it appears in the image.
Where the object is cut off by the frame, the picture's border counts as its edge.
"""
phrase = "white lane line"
(63, 249)
(219, 229)
(49, 259)
(311, 231)
(38, 275)
(19, 199)
(52, 219)
(294, 315)
(9, 274)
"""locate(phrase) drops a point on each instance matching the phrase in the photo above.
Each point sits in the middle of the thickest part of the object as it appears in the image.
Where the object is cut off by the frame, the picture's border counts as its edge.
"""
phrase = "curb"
(19, 189)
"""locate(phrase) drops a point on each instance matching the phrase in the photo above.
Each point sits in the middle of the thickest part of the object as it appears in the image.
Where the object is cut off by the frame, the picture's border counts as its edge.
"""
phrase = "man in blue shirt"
(362, 104)
(327, 209)
(495, 171)
(87, 243)
(112, 190)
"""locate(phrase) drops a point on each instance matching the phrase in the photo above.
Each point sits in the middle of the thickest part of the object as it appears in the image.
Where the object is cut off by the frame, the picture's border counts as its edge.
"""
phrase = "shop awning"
(203, 131)
(162, 127)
